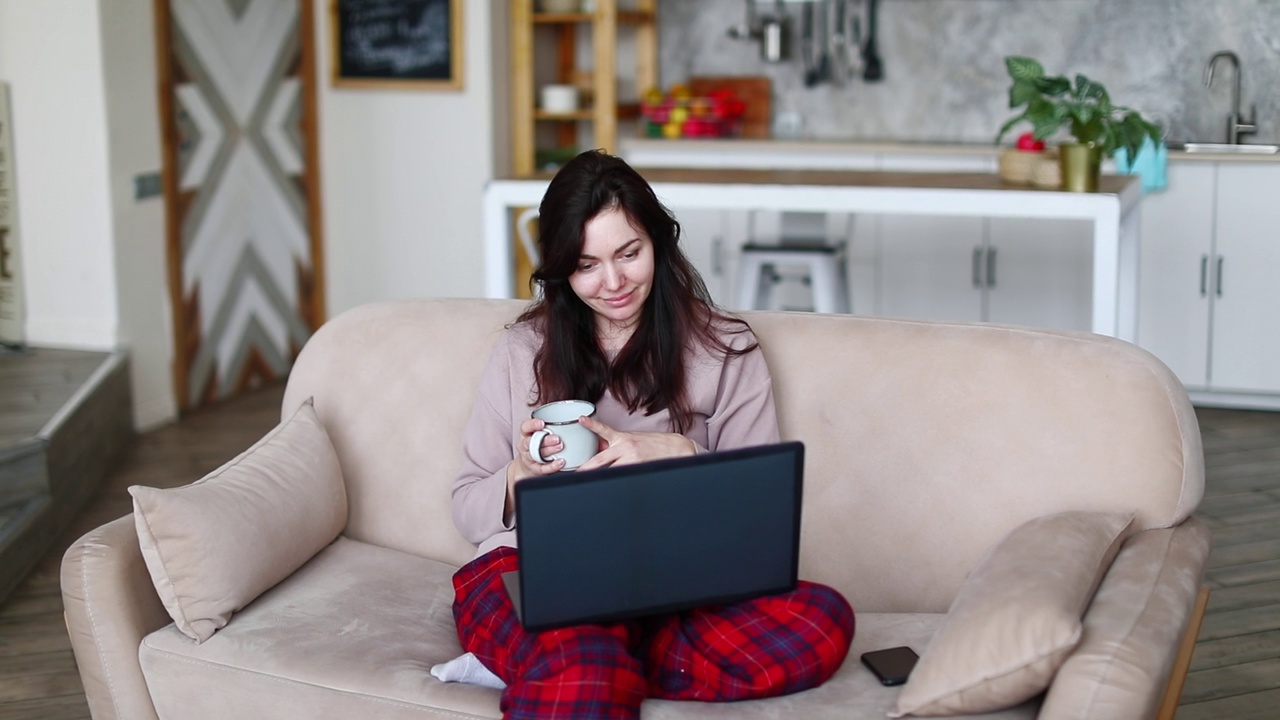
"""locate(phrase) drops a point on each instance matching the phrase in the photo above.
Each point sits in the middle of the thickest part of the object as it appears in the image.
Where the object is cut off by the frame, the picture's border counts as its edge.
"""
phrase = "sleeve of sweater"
(744, 413)
(479, 492)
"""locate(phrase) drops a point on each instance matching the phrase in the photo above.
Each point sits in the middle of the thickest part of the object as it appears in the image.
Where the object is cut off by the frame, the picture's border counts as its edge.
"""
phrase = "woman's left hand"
(624, 448)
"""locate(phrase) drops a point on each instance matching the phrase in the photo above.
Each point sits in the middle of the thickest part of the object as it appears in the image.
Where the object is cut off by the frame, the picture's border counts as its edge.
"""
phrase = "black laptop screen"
(642, 539)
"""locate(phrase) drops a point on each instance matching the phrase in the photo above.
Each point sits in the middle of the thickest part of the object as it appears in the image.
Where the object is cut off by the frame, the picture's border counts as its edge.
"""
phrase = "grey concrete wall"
(944, 71)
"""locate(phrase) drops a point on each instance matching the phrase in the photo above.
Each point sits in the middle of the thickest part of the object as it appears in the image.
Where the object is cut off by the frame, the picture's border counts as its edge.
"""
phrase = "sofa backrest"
(925, 442)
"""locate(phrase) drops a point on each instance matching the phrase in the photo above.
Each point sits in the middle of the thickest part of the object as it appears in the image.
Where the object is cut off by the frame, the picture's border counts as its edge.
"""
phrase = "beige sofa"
(927, 445)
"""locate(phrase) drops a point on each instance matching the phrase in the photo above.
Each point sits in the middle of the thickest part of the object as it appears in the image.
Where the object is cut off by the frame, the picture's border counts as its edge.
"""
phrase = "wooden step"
(25, 533)
(65, 417)
(23, 471)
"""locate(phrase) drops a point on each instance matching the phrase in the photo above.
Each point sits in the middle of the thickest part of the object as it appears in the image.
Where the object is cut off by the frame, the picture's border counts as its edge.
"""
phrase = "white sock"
(467, 669)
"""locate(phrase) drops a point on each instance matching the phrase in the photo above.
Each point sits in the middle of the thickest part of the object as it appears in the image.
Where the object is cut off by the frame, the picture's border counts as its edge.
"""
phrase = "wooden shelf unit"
(603, 111)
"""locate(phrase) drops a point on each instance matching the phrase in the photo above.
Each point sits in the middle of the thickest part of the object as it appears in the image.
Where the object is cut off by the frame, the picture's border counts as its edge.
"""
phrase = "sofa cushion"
(213, 546)
(354, 634)
(1017, 616)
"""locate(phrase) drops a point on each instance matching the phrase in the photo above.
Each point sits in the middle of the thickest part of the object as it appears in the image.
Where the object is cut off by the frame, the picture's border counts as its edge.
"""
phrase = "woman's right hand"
(524, 466)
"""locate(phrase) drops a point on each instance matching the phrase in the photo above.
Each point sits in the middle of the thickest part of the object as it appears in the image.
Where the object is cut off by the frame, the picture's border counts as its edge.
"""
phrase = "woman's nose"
(613, 277)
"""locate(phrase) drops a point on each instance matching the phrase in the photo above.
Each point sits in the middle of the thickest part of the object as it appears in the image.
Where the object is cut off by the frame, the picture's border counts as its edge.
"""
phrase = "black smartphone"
(891, 665)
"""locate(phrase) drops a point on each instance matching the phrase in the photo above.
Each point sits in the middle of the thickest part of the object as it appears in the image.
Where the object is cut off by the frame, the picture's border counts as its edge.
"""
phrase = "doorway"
(238, 118)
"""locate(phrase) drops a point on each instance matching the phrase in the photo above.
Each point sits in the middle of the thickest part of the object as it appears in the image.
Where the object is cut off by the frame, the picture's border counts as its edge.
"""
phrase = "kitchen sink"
(1226, 148)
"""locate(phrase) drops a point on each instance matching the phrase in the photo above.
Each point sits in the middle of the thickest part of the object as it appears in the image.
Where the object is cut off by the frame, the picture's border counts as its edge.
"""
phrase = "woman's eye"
(631, 254)
(584, 267)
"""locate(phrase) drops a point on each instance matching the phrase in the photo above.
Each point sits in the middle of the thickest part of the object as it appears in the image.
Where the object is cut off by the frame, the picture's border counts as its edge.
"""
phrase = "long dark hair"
(649, 372)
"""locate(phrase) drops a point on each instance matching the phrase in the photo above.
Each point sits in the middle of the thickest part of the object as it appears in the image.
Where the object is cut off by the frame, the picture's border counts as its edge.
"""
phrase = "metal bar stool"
(823, 262)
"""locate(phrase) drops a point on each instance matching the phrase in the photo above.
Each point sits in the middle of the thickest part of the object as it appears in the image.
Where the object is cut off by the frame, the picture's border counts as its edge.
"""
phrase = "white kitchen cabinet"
(926, 267)
(1176, 246)
(1210, 291)
(1245, 280)
(1002, 270)
(702, 237)
(1039, 272)
(925, 262)
(1005, 270)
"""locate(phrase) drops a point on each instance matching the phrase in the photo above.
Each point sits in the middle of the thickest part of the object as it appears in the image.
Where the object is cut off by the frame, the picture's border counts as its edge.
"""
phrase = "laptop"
(605, 545)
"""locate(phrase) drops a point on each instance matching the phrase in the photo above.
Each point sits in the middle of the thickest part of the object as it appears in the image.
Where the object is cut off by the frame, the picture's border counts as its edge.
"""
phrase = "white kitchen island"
(1113, 212)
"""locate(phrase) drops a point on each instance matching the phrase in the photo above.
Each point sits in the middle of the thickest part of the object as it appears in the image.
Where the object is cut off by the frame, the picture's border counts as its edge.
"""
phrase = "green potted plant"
(1099, 127)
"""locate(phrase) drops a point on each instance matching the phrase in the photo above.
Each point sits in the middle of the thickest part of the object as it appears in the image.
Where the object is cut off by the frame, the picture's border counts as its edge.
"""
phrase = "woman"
(624, 321)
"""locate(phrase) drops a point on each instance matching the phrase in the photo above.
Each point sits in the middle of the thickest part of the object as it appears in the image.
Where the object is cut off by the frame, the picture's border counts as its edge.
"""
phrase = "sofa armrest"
(110, 606)
(1133, 628)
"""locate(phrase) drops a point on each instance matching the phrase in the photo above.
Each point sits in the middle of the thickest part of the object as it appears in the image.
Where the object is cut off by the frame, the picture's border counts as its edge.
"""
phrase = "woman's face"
(615, 271)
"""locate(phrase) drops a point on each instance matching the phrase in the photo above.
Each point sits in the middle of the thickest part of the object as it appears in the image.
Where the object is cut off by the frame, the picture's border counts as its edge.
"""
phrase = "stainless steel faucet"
(1236, 125)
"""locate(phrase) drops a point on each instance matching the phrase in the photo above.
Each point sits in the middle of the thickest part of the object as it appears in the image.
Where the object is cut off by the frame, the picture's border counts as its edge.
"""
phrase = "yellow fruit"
(679, 114)
(671, 130)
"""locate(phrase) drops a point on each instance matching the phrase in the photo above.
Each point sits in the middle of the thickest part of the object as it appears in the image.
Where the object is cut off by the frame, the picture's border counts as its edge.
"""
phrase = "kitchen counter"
(1112, 212)
(837, 153)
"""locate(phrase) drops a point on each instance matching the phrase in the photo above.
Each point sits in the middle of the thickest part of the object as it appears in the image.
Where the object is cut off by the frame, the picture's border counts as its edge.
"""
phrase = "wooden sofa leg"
(1178, 678)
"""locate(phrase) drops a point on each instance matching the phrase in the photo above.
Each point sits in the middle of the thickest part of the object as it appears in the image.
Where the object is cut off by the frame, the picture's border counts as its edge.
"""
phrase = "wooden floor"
(1235, 671)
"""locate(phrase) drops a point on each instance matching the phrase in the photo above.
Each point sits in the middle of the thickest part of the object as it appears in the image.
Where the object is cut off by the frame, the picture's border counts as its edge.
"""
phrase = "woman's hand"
(624, 448)
(524, 466)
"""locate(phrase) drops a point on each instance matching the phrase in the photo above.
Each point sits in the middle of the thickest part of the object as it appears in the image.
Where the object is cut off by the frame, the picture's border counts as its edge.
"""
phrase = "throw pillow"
(1016, 618)
(213, 546)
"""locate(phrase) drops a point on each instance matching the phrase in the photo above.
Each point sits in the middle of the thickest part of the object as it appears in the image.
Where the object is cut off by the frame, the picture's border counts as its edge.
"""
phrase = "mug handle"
(535, 445)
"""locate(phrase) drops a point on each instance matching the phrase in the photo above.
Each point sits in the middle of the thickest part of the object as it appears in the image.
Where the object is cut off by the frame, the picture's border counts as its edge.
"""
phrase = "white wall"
(403, 173)
(50, 53)
(133, 145)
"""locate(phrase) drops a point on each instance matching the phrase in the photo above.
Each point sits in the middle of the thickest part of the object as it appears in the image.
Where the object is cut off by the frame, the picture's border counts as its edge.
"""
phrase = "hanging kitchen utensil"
(844, 38)
(808, 45)
(822, 33)
(872, 70)
(773, 32)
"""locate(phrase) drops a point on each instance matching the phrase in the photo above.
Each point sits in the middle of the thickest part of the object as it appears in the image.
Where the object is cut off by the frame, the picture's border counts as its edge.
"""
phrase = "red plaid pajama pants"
(764, 647)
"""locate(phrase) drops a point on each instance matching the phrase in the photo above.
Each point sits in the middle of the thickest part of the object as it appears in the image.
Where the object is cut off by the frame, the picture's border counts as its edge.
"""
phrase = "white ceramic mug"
(561, 418)
(559, 98)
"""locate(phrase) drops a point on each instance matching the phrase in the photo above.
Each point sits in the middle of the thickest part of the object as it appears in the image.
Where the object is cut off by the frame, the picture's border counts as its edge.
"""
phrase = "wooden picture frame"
(396, 44)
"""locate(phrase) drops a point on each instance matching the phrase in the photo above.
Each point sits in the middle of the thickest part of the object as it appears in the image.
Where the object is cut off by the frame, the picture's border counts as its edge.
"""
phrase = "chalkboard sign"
(406, 43)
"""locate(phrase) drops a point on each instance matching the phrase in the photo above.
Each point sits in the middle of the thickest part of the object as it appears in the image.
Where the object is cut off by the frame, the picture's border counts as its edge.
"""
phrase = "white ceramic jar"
(559, 98)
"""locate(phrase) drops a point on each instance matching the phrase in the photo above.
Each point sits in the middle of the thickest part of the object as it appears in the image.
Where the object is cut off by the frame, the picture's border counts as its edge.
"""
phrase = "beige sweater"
(732, 403)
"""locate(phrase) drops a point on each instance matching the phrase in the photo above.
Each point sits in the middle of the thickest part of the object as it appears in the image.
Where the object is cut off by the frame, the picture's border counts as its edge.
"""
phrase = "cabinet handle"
(991, 267)
(717, 259)
(1204, 275)
(1219, 278)
(977, 267)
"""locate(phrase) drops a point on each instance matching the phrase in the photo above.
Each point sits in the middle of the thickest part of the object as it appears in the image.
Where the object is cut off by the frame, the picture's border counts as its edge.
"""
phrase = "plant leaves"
(1084, 114)
(1124, 137)
(1089, 130)
(1022, 92)
(1053, 86)
(1087, 89)
(1023, 68)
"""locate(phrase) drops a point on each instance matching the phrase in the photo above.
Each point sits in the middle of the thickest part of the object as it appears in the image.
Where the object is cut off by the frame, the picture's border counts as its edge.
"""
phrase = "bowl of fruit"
(677, 113)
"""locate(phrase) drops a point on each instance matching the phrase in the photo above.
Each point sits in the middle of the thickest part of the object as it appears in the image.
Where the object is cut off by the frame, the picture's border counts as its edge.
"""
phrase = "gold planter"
(1081, 165)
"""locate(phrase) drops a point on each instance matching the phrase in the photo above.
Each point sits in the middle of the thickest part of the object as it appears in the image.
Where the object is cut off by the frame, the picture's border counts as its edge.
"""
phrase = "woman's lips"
(619, 301)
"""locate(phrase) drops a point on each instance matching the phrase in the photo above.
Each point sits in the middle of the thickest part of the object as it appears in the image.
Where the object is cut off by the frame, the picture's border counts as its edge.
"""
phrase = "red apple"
(1029, 143)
